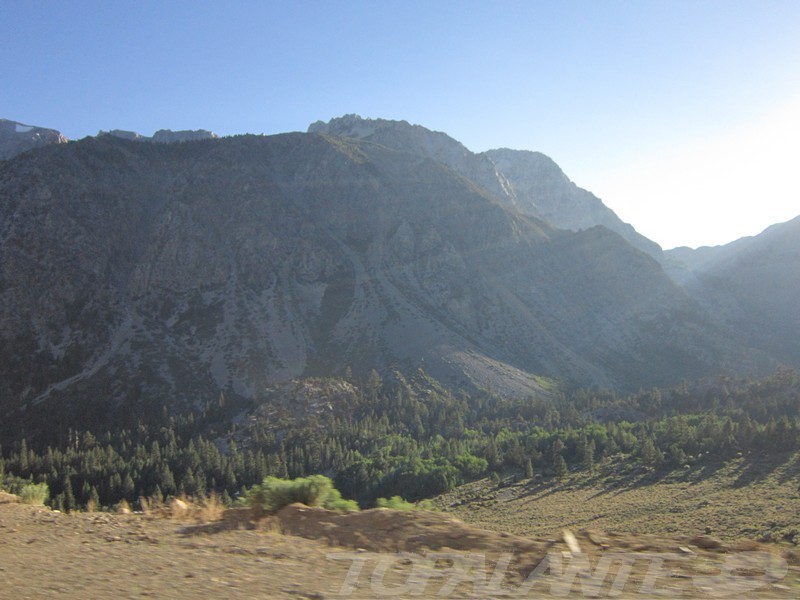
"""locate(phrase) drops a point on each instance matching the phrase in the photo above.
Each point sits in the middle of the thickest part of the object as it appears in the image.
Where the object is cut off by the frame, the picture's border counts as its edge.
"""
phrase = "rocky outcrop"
(540, 188)
(162, 136)
(167, 136)
(16, 138)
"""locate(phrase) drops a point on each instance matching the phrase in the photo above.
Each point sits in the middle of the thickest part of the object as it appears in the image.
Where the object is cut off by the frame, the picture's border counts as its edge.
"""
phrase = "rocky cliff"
(530, 182)
(162, 136)
(16, 138)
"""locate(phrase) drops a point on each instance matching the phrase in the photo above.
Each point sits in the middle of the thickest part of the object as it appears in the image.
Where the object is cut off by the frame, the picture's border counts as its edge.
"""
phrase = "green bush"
(334, 501)
(314, 490)
(34, 493)
(398, 503)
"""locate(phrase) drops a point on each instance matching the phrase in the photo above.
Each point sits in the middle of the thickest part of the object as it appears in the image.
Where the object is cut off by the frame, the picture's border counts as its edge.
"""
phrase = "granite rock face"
(162, 136)
(530, 182)
(540, 188)
(134, 276)
(16, 138)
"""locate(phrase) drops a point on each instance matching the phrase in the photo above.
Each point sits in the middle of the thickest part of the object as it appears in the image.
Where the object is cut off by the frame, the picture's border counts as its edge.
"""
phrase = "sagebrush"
(34, 493)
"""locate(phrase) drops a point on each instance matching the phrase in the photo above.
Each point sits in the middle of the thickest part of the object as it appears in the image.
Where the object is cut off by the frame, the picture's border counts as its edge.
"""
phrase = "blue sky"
(683, 116)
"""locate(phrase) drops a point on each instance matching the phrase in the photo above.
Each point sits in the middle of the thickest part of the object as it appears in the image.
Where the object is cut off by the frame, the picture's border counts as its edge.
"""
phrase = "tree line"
(409, 436)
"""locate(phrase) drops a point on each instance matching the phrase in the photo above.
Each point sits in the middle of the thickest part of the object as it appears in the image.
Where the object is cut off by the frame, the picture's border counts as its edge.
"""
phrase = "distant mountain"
(141, 275)
(752, 287)
(530, 182)
(16, 138)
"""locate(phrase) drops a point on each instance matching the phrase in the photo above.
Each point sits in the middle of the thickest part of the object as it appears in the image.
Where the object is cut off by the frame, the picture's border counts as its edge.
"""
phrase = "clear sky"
(682, 115)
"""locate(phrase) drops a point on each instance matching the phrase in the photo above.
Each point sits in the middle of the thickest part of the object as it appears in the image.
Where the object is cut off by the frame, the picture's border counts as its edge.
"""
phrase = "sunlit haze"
(682, 116)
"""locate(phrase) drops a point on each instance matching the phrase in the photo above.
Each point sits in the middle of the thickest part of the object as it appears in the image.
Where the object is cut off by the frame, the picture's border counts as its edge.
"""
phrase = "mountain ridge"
(153, 274)
(548, 194)
(752, 286)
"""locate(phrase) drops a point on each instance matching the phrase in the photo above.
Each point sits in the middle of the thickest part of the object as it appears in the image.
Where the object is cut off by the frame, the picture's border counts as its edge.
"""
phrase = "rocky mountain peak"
(167, 136)
(530, 182)
(540, 188)
(399, 135)
(162, 136)
(16, 138)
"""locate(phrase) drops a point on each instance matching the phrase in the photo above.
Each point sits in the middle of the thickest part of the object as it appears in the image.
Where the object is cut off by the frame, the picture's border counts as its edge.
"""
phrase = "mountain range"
(136, 276)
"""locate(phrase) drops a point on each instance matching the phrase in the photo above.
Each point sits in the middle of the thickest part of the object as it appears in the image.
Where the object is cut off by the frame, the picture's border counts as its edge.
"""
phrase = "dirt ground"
(311, 553)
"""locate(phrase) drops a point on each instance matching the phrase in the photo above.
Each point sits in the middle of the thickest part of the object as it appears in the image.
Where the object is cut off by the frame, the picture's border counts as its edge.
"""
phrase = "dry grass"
(5, 497)
(123, 507)
(205, 509)
(209, 509)
(745, 498)
(152, 507)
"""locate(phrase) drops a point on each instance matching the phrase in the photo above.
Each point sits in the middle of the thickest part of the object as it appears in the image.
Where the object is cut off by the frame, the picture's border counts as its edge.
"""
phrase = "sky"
(683, 116)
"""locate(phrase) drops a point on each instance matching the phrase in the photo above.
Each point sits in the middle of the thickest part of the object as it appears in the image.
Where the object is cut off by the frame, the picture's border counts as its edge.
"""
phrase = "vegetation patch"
(316, 490)
(34, 493)
(397, 503)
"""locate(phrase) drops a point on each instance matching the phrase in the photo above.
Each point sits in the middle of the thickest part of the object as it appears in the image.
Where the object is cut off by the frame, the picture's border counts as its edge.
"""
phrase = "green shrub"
(314, 490)
(398, 503)
(334, 501)
(34, 493)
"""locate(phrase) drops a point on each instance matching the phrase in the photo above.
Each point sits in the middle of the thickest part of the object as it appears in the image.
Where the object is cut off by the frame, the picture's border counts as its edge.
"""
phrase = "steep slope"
(528, 181)
(542, 189)
(153, 274)
(16, 138)
(752, 286)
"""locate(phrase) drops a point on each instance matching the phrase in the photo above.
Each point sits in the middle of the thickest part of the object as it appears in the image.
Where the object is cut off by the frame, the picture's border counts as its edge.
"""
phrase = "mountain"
(141, 275)
(16, 138)
(752, 287)
(530, 182)
(162, 136)
(540, 188)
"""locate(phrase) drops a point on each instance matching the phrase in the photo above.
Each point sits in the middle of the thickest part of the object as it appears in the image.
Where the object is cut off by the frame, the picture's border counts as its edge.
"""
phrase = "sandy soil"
(310, 553)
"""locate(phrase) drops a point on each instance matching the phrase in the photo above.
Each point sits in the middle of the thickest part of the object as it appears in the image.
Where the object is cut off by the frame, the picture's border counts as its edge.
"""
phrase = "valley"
(183, 316)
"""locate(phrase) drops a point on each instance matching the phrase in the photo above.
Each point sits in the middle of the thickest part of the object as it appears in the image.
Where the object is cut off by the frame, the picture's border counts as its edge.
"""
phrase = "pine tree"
(586, 450)
(648, 453)
(128, 487)
(94, 498)
(68, 495)
(166, 481)
(560, 468)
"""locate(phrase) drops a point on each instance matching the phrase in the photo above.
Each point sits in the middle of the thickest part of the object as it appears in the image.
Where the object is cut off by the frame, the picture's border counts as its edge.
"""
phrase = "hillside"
(749, 497)
(752, 286)
(143, 275)
(529, 182)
